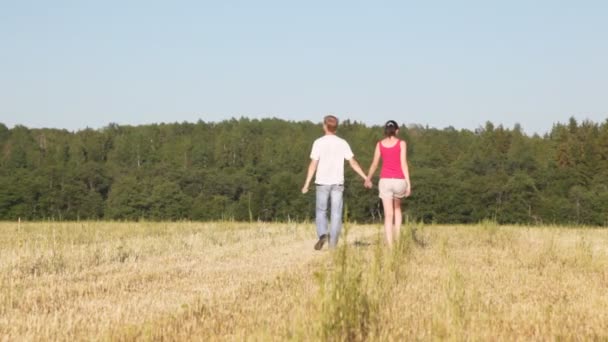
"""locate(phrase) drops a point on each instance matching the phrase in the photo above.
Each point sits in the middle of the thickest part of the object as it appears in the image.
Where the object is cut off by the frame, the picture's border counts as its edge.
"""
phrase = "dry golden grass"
(259, 281)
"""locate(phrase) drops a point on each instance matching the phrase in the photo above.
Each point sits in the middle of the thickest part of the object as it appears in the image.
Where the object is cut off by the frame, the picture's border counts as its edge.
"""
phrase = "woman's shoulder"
(389, 143)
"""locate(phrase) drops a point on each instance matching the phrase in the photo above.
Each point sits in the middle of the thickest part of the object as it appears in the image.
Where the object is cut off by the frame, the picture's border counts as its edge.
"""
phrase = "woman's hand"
(408, 190)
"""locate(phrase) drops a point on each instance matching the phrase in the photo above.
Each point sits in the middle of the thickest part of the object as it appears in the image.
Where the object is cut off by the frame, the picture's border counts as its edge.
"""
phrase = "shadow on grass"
(362, 244)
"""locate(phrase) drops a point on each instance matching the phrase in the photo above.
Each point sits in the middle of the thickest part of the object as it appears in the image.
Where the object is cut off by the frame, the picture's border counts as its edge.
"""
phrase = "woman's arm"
(404, 167)
(374, 166)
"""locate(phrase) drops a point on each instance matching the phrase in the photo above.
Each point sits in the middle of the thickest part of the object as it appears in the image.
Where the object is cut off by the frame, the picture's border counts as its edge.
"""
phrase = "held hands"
(367, 184)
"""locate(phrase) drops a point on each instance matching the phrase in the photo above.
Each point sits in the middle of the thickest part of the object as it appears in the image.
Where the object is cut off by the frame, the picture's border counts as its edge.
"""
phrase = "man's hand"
(312, 167)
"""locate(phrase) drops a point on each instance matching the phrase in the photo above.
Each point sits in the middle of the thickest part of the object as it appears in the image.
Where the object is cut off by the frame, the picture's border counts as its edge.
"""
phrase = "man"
(327, 159)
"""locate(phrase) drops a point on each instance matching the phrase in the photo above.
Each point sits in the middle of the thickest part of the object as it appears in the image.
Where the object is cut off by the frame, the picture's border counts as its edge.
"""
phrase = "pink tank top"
(391, 161)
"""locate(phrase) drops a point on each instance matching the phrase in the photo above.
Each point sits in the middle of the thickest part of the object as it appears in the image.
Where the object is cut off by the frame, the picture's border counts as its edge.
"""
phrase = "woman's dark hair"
(390, 128)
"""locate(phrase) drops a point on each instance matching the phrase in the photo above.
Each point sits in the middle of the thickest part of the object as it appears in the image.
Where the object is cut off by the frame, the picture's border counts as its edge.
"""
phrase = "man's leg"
(322, 194)
(337, 192)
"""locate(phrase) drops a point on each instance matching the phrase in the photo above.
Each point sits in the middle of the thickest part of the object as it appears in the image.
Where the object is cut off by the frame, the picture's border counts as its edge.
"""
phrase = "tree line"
(245, 169)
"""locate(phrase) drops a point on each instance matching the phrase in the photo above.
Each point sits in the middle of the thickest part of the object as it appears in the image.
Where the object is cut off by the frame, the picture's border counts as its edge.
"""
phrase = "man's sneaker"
(322, 239)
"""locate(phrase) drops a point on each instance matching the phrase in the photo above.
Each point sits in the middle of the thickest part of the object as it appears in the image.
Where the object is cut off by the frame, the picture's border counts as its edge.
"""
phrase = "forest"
(249, 170)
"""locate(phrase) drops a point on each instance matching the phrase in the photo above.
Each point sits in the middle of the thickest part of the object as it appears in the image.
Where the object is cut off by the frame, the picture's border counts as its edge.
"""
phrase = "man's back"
(331, 151)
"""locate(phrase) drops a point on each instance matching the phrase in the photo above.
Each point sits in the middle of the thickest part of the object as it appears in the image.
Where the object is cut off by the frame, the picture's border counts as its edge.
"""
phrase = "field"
(261, 281)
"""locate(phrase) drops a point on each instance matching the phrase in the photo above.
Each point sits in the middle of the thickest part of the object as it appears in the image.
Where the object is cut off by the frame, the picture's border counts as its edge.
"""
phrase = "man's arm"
(348, 155)
(312, 167)
(355, 165)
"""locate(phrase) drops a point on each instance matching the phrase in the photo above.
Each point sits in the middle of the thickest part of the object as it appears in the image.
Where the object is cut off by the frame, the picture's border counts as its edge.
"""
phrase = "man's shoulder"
(331, 140)
(319, 139)
(334, 138)
(342, 141)
(326, 139)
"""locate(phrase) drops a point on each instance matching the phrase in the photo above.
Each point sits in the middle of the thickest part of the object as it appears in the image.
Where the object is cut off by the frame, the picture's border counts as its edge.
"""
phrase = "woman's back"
(390, 151)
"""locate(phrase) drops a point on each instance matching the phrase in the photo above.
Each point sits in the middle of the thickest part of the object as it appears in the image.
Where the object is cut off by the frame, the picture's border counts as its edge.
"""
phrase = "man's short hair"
(331, 122)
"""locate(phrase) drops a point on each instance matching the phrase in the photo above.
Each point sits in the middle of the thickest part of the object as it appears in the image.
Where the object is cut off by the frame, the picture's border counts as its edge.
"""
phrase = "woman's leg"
(398, 218)
(388, 220)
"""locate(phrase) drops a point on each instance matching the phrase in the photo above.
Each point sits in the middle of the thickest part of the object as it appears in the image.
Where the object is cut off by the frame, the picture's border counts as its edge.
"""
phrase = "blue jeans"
(324, 194)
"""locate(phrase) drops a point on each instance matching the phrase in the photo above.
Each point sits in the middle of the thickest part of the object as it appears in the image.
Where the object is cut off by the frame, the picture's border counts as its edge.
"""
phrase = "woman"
(394, 178)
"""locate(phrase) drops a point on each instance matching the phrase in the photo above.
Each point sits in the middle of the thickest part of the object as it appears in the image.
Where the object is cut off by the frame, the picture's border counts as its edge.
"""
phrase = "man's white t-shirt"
(330, 151)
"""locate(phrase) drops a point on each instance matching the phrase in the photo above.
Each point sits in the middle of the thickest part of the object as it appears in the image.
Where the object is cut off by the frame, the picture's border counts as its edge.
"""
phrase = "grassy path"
(238, 281)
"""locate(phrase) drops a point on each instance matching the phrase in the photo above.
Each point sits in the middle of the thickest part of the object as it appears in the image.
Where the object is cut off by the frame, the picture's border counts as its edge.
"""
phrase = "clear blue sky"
(77, 64)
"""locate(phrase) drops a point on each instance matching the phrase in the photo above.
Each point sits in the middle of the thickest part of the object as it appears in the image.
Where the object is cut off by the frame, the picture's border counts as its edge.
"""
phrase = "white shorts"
(391, 188)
